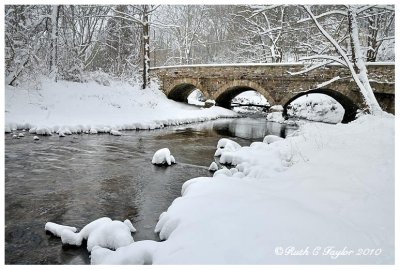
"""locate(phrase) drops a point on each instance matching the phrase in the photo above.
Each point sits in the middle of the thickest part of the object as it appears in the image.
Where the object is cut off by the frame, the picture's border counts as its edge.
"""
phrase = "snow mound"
(43, 131)
(111, 235)
(57, 229)
(140, 253)
(223, 171)
(115, 132)
(213, 166)
(36, 138)
(226, 145)
(271, 139)
(102, 232)
(163, 157)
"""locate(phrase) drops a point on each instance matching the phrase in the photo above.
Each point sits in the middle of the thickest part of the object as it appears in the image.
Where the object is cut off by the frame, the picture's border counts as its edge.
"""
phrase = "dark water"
(79, 178)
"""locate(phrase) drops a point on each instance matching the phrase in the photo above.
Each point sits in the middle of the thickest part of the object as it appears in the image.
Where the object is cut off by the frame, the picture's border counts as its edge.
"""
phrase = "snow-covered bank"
(323, 196)
(79, 107)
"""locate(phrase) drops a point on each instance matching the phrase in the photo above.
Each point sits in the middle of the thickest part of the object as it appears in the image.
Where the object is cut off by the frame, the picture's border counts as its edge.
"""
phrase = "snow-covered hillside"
(95, 108)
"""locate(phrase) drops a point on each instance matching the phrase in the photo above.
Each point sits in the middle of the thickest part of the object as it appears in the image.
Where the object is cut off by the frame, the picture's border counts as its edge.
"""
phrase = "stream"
(79, 178)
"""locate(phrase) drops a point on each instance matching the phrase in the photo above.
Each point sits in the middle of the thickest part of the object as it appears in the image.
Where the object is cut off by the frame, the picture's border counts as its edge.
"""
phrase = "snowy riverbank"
(323, 196)
(93, 107)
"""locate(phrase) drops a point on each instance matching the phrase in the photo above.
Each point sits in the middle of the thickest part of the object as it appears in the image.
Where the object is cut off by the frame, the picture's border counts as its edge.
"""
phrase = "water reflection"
(77, 179)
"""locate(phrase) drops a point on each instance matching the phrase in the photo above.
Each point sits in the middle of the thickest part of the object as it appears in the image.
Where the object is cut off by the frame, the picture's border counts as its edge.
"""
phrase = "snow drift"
(293, 196)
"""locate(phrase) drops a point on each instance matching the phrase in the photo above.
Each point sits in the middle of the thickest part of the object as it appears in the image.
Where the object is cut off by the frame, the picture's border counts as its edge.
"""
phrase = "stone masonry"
(223, 82)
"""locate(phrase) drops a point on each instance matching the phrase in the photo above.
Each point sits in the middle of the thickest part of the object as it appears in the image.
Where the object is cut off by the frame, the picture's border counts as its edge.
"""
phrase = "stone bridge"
(223, 82)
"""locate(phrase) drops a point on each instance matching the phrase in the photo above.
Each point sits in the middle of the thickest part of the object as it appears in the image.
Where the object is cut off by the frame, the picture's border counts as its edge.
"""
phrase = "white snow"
(36, 138)
(300, 193)
(271, 139)
(111, 235)
(317, 107)
(91, 107)
(276, 108)
(115, 132)
(213, 166)
(223, 171)
(249, 97)
(102, 232)
(275, 117)
(57, 229)
(163, 156)
(226, 145)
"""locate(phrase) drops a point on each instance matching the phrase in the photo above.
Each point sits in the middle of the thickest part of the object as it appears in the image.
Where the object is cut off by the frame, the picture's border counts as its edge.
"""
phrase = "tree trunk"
(359, 63)
(146, 47)
(372, 35)
(55, 14)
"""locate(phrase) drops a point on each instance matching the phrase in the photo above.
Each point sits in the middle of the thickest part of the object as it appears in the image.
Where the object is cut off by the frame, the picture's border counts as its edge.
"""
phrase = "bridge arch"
(350, 107)
(181, 89)
(227, 92)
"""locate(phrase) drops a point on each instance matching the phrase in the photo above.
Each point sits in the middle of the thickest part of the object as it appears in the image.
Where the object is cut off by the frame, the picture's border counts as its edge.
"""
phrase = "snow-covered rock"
(61, 134)
(111, 235)
(140, 253)
(93, 131)
(271, 139)
(15, 136)
(223, 171)
(115, 132)
(102, 232)
(213, 166)
(163, 157)
(36, 138)
(44, 131)
(21, 135)
(226, 145)
(57, 229)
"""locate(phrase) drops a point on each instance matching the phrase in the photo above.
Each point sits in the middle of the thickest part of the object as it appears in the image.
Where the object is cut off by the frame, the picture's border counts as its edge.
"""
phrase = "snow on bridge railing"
(264, 64)
(231, 65)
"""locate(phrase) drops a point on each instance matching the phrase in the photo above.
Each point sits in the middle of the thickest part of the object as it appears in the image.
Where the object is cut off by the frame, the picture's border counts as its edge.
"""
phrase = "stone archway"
(227, 92)
(181, 89)
(350, 107)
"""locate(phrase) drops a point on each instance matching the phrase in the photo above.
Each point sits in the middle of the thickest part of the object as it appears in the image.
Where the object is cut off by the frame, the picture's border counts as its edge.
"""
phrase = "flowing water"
(79, 178)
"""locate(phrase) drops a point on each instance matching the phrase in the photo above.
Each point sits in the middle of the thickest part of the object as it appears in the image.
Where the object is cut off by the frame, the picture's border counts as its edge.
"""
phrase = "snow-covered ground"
(68, 107)
(322, 196)
(317, 107)
(250, 97)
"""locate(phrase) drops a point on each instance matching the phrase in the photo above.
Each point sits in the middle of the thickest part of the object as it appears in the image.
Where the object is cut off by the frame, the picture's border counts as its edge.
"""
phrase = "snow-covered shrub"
(163, 157)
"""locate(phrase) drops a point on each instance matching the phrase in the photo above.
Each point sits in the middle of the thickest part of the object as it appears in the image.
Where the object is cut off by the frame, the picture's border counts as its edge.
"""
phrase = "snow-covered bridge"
(279, 83)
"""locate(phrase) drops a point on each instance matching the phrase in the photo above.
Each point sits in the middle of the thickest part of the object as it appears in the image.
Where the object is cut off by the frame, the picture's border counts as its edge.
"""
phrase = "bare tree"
(355, 63)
